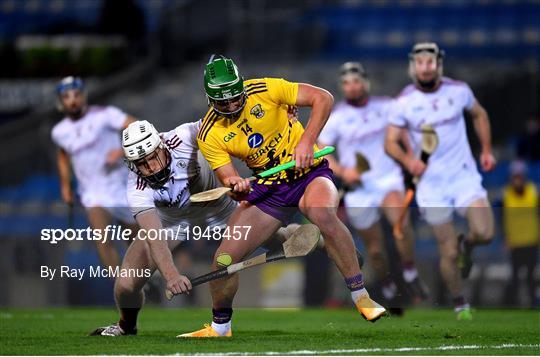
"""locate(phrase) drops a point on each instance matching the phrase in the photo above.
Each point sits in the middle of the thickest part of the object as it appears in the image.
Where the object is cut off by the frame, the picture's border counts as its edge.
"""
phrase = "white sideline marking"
(371, 350)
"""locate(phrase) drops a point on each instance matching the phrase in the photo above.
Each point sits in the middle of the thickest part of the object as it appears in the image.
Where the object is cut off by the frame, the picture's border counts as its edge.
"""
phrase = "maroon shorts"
(281, 200)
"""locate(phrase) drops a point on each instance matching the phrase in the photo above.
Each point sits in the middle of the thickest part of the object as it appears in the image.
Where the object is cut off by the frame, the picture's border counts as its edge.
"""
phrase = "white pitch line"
(371, 350)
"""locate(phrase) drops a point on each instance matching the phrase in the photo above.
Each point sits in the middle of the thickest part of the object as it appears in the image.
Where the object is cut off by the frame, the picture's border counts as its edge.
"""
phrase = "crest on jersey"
(181, 164)
(257, 111)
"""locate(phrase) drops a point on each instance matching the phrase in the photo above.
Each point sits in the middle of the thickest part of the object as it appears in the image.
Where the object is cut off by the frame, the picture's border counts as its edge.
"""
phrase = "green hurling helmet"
(224, 86)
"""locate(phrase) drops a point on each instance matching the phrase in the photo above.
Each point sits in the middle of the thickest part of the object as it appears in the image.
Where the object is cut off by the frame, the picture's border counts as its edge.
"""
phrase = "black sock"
(468, 246)
(222, 316)
(128, 319)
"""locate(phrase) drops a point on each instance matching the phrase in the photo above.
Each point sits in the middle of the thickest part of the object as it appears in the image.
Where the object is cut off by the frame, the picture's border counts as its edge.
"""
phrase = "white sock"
(222, 329)
(410, 274)
(355, 295)
(462, 307)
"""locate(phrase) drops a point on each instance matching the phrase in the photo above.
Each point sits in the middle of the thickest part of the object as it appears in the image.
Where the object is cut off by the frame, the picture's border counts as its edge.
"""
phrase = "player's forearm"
(159, 249)
(394, 150)
(225, 173)
(162, 256)
(64, 169)
(483, 130)
(321, 103)
(319, 116)
(392, 145)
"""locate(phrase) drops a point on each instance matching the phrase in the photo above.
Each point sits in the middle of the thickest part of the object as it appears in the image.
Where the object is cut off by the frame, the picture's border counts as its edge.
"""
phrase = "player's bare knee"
(483, 235)
(450, 254)
(124, 286)
(323, 217)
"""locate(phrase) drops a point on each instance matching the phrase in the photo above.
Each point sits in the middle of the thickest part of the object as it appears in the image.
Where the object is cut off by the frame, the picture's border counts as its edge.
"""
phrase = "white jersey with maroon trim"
(451, 178)
(362, 130)
(442, 109)
(87, 141)
(190, 174)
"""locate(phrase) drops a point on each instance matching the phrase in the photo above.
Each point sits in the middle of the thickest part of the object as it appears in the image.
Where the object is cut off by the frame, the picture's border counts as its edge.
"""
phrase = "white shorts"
(438, 199)
(363, 204)
(122, 214)
(116, 204)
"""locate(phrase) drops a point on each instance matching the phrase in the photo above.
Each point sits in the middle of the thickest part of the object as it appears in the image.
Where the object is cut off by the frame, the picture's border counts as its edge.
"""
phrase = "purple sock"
(221, 316)
(355, 283)
(459, 301)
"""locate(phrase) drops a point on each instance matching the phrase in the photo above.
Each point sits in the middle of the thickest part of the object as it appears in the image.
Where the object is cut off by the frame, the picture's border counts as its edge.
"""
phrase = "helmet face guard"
(355, 71)
(154, 168)
(429, 49)
(224, 86)
(222, 106)
(65, 85)
(145, 153)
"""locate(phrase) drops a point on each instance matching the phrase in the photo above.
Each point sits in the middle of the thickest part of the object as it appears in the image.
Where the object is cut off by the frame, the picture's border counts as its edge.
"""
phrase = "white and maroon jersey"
(442, 109)
(362, 130)
(190, 174)
(87, 141)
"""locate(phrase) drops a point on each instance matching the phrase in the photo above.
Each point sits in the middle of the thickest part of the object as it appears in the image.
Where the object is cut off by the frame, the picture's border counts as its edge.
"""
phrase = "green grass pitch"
(259, 331)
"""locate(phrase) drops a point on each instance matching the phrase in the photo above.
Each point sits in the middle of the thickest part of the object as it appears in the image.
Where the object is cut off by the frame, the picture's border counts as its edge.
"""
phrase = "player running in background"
(357, 126)
(450, 181)
(88, 138)
(249, 120)
(165, 169)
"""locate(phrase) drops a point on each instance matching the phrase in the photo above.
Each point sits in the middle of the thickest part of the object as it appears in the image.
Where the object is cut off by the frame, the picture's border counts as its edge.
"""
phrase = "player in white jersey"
(357, 126)
(89, 141)
(450, 181)
(165, 169)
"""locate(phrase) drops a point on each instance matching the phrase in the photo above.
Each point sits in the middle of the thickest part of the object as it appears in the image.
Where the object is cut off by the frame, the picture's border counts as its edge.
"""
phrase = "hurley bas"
(97, 271)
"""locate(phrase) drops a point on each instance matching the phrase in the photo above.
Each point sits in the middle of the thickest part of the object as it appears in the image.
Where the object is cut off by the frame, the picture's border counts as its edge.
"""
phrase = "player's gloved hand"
(487, 161)
(350, 176)
(178, 284)
(303, 154)
(67, 195)
(415, 166)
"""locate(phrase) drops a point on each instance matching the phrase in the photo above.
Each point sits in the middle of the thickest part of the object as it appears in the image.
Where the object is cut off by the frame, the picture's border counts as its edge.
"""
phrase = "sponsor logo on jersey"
(255, 140)
(229, 137)
(257, 111)
(265, 149)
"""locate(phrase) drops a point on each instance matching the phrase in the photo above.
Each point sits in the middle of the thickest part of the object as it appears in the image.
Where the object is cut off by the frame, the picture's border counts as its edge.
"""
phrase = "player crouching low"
(165, 169)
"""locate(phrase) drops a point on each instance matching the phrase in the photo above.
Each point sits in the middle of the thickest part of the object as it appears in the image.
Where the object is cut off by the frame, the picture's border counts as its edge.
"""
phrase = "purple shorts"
(281, 200)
